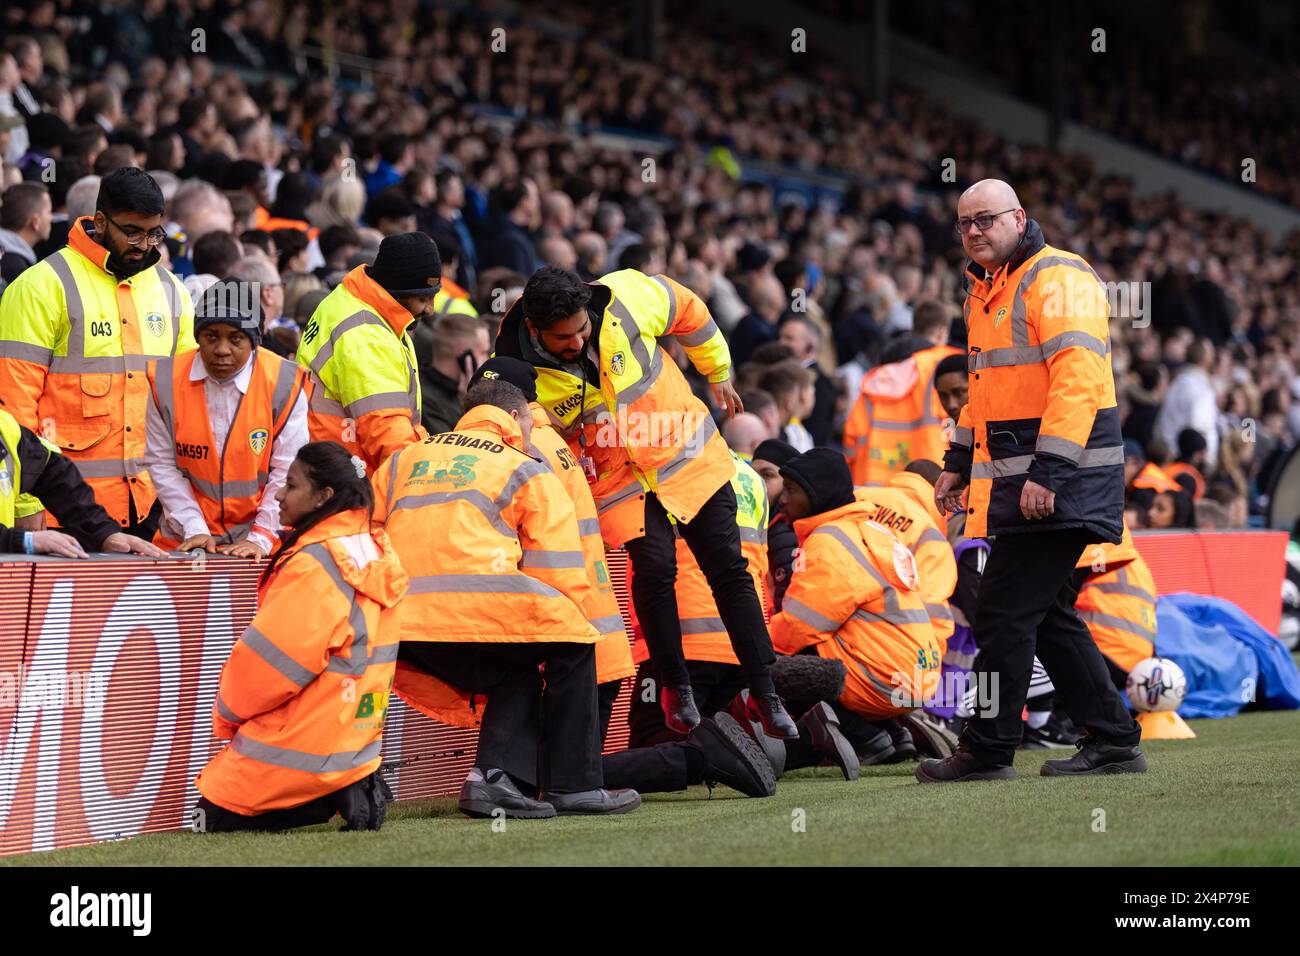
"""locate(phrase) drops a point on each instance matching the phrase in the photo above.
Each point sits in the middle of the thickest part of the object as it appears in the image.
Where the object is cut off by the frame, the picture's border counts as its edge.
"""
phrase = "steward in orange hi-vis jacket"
(303, 696)
(652, 453)
(498, 587)
(1039, 444)
(856, 594)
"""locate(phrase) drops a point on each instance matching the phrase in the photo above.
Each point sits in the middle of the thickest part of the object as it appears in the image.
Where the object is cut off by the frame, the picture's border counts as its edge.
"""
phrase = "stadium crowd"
(444, 190)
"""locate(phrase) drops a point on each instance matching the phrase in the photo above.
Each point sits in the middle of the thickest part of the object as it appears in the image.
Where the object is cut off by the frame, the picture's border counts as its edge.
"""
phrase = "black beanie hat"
(824, 474)
(518, 373)
(224, 302)
(407, 264)
(776, 451)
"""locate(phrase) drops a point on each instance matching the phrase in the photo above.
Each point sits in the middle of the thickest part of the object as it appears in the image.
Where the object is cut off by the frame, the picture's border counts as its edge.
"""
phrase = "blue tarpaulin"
(1229, 660)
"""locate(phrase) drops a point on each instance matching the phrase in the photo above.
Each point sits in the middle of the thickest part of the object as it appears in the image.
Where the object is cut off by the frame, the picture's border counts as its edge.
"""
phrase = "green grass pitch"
(1226, 798)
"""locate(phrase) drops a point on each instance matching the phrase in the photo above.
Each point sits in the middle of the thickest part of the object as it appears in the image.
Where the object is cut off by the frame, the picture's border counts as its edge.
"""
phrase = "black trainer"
(486, 791)
(1056, 734)
(822, 728)
(878, 748)
(960, 767)
(732, 756)
(680, 712)
(1097, 756)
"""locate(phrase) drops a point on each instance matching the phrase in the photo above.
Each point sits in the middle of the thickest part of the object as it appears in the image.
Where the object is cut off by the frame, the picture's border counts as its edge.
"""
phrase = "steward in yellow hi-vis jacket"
(77, 332)
(498, 587)
(652, 453)
(1039, 443)
(360, 361)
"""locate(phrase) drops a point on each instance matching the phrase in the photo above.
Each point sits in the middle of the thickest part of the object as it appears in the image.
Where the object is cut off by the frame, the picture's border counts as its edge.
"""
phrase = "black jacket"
(56, 481)
(782, 543)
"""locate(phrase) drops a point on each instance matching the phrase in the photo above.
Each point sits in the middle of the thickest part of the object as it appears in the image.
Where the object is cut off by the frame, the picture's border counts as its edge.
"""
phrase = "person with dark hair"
(449, 223)
(518, 601)
(303, 696)
(224, 423)
(196, 121)
(1188, 469)
(25, 218)
(391, 212)
(396, 155)
(76, 311)
(804, 338)
(361, 360)
(259, 239)
(596, 350)
(215, 253)
(292, 197)
(290, 250)
(337, 244)
(514, 210)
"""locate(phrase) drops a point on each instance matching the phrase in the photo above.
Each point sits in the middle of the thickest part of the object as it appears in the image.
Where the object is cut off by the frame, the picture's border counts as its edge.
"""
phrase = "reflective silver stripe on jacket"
(1019, 464)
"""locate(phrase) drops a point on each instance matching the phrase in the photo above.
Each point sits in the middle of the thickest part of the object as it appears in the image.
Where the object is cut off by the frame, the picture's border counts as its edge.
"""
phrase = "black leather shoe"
(485, 791)
(822, 728)
(876, 749)
(771, 713)
(594, 802)
(1097, 756)
(901, 739)
(962, 766)
(733, 757)
(680, 711)
(775, 749)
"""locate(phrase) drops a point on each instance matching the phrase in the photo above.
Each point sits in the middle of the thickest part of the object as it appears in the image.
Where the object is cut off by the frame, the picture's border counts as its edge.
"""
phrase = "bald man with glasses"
(1037, 464)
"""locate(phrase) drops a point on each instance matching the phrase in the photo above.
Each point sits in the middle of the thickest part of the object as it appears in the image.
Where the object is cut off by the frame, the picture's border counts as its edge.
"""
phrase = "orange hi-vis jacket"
(1153, 478)
(1042, 397)
(1172, 471)
(896, 418)
(1119, 607)
(638, 420)
(362, 371)
(856, 598)
(227, 487)
(75, 344)
(490, 539)
(304, 695)
(613, 654)
(1104, 556)
(906, 507)
(704, 636)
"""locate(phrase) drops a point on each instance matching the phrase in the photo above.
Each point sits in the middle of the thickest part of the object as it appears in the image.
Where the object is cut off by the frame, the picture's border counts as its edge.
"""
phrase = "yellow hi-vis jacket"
(704, 636)
(361, 371)
(490, 539)
(906, 507)
(75, 344)
(613, 654)
(641, 424)
(1042, 396)
(855, 597)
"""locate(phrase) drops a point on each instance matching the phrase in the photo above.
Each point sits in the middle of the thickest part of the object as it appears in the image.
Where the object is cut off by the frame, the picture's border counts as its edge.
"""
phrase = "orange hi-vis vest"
(228, 486)
(490, 539)
(704, 636)
(613, 654)
(1103, 556)
(75, 344)
(1153, 478)
(1172, 471)
(896, 418)
(640, 422)
(856, 598)
(304, 695)
(906, 507)
(1119, 607)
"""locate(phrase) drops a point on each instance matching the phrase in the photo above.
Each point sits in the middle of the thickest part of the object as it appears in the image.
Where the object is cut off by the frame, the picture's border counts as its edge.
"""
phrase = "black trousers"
(714, 540)
(217, 819)
(543, 732)
(657, 759)
(1026, 606)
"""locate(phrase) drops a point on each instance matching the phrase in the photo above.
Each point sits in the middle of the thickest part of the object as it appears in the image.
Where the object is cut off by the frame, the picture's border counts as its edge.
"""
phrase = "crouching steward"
(360, 361)
(1117, 601)
(224, 425)
(487, 530)
(304, 695)
(30, 465)
(856, 595)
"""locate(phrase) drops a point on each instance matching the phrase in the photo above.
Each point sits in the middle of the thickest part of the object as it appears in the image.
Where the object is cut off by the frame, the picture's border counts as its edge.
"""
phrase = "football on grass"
(1156, 683)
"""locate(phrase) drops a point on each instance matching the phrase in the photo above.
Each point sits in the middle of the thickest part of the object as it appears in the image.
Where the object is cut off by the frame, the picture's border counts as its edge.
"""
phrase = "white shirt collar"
(199, 371)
